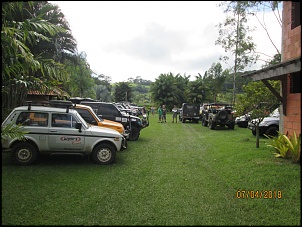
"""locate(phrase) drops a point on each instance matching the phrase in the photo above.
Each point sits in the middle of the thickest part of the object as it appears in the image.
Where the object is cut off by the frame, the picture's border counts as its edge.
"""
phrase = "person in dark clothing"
(160, 113)
(164, 116)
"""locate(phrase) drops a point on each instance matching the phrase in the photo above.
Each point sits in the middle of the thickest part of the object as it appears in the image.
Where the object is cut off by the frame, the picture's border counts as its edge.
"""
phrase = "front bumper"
(124, 144)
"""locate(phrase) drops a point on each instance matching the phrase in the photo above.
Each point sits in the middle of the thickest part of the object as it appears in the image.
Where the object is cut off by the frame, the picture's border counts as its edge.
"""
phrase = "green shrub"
(294, 146)
(279, 144)
(286, 146)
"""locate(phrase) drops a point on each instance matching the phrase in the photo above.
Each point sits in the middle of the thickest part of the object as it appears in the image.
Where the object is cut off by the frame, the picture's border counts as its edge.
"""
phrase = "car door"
(63, 136)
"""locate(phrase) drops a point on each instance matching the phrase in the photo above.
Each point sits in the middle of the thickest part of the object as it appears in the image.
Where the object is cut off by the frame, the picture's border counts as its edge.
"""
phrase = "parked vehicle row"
(99, 129)
(65, 127)
(110, 111)
(54, 130)
(222, 114)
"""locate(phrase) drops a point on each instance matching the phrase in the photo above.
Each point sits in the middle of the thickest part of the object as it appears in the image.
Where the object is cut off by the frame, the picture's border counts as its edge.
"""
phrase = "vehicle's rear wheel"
(24, 154)
(134, 133)
(231, 126)
(104, 154)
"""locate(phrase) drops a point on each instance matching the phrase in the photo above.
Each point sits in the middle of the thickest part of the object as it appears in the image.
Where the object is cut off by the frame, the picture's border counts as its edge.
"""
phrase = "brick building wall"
(291, 48)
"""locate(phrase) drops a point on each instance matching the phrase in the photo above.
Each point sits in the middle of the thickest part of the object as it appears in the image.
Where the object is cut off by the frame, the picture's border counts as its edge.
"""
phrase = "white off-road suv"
(51, 130)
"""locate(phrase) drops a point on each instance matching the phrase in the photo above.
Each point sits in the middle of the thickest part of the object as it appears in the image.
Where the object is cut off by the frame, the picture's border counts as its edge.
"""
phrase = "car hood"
(108, 124)
(267, 119)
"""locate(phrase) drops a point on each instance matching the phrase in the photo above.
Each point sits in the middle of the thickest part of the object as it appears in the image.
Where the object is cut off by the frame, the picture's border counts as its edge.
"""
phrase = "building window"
(295, 14)
(295, 86)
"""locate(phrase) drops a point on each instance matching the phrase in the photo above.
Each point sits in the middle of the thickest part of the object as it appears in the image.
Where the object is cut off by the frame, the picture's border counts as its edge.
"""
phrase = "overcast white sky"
(124, 39)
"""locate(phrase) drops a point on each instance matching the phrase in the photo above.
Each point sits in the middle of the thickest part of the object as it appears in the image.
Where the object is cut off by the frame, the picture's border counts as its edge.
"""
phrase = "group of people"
(162, 114)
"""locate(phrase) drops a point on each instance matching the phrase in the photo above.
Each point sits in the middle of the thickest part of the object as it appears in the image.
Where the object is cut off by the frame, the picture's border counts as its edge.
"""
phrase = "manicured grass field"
(174, 174)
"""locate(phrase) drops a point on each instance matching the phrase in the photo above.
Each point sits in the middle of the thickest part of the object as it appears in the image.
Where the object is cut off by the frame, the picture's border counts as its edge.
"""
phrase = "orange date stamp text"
(258, 194)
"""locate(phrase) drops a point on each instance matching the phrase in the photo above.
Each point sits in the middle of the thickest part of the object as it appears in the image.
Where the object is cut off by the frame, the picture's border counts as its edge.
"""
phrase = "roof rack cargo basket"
(31, 103)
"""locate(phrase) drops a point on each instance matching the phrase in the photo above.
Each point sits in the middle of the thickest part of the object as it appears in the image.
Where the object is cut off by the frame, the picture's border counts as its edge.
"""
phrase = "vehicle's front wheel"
(134, 133)
(272, 131)
(254, 132)
(24, 154)
(104, 154)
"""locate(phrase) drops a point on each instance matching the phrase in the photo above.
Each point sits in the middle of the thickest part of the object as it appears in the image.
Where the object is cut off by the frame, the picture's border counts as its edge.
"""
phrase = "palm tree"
(23, 68)
(165, 90)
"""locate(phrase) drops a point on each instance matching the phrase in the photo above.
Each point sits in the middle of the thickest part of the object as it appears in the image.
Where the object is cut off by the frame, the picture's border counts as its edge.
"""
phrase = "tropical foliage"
(286, 146)
(123, 92)
(12, 131)
(34, 40)
(258, 101)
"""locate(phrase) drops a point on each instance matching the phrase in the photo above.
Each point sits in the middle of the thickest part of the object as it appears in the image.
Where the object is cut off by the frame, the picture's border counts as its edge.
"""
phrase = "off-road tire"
(231, 126)
(103, 154)
(24, 154)
(222, 115)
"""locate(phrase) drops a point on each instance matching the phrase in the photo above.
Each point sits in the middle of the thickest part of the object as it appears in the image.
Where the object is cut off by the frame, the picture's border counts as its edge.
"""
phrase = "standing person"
(164, 116)
(175, 111)
(153, 111)
(160, 113)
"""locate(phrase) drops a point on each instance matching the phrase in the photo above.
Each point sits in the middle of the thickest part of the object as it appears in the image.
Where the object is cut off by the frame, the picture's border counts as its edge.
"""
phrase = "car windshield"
(96, 116)
(275, 113)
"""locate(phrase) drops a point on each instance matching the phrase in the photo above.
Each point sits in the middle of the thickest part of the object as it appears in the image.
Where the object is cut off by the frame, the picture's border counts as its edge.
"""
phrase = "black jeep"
(190, 112)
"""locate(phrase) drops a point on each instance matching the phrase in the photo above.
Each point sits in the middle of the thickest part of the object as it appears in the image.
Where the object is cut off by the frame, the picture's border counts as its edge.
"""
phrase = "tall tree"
(233, 37)
(254, 8)
(217, 78)
(81, 82)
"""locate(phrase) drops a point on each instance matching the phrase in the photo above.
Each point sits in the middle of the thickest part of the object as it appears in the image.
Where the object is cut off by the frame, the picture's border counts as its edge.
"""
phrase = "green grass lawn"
(174, 174)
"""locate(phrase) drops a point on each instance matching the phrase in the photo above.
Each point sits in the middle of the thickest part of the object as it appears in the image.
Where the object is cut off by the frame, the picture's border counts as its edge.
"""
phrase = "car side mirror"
(79, 126)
